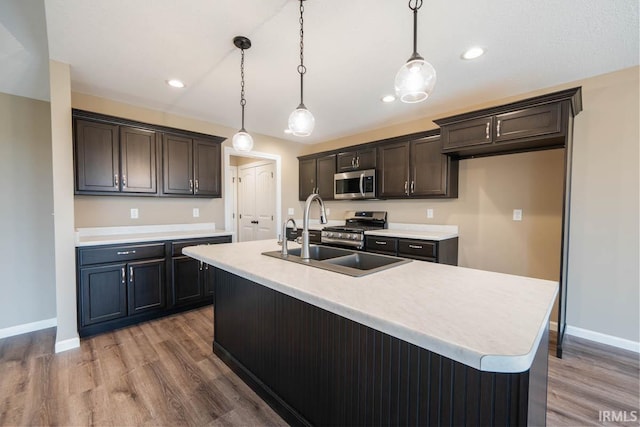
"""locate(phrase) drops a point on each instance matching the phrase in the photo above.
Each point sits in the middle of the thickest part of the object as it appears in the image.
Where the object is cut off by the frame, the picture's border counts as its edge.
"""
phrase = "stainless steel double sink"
(345, 261)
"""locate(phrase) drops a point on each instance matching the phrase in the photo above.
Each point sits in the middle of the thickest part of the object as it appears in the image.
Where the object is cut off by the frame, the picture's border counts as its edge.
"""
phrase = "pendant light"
(301, 121)
(416, 78)
(242, 141)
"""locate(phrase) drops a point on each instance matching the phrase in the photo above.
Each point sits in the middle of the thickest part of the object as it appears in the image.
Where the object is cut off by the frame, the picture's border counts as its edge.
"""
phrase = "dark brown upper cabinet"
(114, 159)
(119, 156)
(533, 124)
(416, 168)
(316, 176)
(364, 158)
(190, 166)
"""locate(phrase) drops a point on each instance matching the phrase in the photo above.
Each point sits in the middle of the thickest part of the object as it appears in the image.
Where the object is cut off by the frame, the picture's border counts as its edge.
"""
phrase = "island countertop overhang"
(489, 321)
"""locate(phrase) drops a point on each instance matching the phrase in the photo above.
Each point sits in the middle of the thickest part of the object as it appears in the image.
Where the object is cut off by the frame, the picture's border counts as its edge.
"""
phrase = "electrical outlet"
(429, 213)
(290, 211)
(517, 214)
(134, 213)
(196, 212)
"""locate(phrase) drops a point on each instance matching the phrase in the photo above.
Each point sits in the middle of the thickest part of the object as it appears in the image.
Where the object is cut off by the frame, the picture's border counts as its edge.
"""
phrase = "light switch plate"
(429, 213)
(196, 212)
(134, 213)
(290, 211)
(517, 214)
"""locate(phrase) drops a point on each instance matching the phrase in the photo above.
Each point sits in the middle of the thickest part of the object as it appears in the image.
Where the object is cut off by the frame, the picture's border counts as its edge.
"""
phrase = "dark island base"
(317, 368)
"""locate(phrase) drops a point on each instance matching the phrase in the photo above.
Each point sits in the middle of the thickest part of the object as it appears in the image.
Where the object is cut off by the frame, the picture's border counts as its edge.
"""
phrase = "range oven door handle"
(362, 184)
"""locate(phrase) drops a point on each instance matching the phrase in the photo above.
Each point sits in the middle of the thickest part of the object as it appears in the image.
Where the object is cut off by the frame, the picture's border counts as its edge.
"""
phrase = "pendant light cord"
(243, 101)
(417, 4)
(301, 68)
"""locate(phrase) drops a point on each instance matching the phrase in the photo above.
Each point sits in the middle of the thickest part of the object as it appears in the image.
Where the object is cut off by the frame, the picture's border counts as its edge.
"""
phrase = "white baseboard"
(28, 327)
(67, 344)
(598, 337)
(603, 338)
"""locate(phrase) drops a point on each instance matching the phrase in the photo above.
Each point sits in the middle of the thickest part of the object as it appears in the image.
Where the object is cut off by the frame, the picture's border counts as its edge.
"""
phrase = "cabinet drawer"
(420, 249)
(108, 254)
(384, 245)
(176, 247)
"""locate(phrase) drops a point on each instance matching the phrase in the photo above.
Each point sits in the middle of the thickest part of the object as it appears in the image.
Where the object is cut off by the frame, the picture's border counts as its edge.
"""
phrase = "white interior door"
(233, 176)
(265, 206)
(247, 203)
(256, 202)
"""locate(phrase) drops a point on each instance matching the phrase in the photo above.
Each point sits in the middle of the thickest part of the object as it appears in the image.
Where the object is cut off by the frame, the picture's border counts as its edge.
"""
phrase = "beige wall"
(26, 224)
(62, 178)
(98, 211)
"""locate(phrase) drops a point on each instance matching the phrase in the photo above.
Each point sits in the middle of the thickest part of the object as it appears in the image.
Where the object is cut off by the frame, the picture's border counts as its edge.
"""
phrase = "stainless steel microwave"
(355, 185)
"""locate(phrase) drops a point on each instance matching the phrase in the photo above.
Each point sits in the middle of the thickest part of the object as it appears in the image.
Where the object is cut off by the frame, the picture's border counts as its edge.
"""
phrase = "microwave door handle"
(362, 184)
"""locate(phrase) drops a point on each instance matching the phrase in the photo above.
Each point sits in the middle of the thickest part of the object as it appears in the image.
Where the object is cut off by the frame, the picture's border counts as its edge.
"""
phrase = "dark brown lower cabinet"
(317, 368)
(120, 285)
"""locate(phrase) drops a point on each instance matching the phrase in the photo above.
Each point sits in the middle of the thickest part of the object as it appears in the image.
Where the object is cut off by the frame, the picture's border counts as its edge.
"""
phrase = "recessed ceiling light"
(473, 53)
(388, 98)
(288, 131)
(175, 83)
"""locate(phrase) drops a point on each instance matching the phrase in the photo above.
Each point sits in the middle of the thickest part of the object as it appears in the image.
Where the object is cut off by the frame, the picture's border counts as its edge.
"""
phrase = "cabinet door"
(468, 133)
(177, 165)
(325, 171)
(138, 160)
(209, 281)
(187, 285)
(206, 168)
(97, 157)
(103, 291)
(393, 172)
(146, 285)
(366, 158)
(307, 178)
(346, 161)
(534, 121)
(429, 168)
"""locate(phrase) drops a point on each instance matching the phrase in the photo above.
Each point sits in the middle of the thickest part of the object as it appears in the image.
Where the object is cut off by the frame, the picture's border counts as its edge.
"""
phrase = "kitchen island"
(421, 343)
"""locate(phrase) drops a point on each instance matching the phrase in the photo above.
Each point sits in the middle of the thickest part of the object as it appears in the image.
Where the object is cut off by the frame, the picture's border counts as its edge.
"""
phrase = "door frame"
(228, 186)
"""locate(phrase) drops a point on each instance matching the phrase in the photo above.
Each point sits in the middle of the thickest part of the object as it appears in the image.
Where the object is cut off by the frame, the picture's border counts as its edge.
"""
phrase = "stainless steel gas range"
(352, 233)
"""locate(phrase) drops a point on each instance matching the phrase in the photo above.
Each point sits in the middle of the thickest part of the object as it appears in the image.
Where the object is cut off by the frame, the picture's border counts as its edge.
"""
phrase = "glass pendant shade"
(301, 122)
(415, 80)
(242, 141)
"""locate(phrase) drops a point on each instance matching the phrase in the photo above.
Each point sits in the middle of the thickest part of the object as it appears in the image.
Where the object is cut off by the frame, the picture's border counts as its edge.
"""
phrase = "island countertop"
(489, 321)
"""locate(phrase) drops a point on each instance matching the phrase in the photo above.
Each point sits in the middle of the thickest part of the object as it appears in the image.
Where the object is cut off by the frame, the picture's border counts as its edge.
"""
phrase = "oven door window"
(348, 186)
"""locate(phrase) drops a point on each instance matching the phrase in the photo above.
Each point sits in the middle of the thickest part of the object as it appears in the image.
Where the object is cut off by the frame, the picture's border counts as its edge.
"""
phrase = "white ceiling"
(125, 50)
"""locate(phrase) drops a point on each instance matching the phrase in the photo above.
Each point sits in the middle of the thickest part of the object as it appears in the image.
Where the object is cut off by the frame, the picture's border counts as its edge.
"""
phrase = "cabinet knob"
(498, 129)
(488, 129)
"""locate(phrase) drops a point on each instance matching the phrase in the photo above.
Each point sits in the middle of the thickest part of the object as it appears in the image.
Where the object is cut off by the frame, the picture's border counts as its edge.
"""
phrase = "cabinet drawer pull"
(488, 129)
(413, 187)
(131, 274)
(125, 252)
(358, 161)
(353, 162)
(406, 188)
(123, 275)
(200, 265)
(197, 186)
(124, 181)
(116, 180)
(498, 129)
(415, 246)
(190, 185)
(380, 243)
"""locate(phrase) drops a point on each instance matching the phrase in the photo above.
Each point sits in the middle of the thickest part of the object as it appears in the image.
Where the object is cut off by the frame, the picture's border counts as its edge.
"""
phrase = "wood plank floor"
(163, 372)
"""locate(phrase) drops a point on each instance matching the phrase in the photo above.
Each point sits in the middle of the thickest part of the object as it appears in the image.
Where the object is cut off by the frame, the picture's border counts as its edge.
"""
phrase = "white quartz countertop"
(489, 321)
(95, 236)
